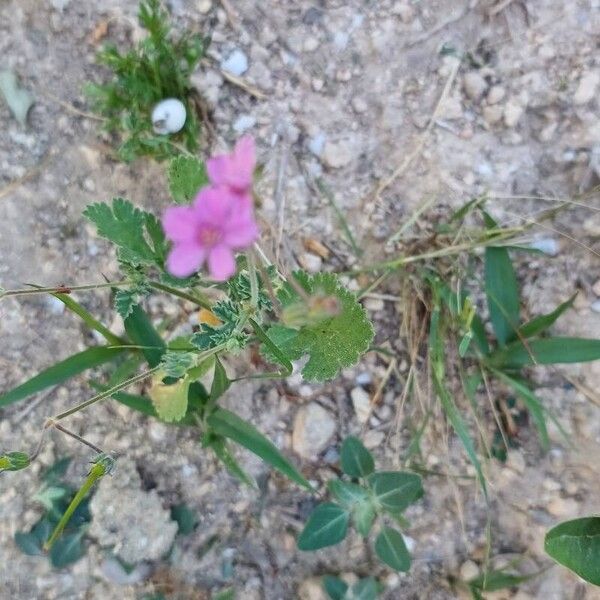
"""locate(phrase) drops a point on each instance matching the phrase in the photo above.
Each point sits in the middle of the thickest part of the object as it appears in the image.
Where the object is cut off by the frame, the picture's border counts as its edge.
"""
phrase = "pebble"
(337, 154)
(313, 429)
(563, 507)
(551, 485)
(364, 377)
(316, 143)
(493, 114)
(374, 304)
(243, 123)
(310, 262)
(312, 589)
(373, 439)
(496, 93)
(405, 11)
(204, 6)
(311, 43)
(595, 306)
(515, 461)
(55, 306)
(236, 63)
(475, 85)
(362, 404)
(596, 288)
(359, 105)
(548, 246)
(586, 90)
(60, 4)
(468, 570)
(512, 114)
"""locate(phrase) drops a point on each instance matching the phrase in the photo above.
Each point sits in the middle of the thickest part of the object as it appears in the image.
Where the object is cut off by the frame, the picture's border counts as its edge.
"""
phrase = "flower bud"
(14, 461)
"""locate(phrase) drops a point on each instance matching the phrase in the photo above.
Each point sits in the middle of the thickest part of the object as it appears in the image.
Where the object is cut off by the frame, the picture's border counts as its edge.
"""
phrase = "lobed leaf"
(186, 176)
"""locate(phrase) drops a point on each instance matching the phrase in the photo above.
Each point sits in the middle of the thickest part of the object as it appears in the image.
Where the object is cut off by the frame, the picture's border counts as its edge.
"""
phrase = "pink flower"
(234, 170)
(209, 230)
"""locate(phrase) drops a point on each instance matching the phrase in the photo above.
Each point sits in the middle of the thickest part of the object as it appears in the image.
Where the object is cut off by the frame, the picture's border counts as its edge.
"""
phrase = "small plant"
(158, 69)
(364, 497)
(285, 317)
(576, 545)
(66, 512)
(364, 589)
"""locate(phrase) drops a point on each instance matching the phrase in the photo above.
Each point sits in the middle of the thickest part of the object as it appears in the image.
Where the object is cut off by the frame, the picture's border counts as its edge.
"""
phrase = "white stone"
(373, 439)
(310, 262)
(512, 113)
(496, 93)
(168, 116)
(337, 154)
(243, 123)
(311, 43)
(596, 288)
(563, 507)
(586, 90)
(475, 85)
(492, 114)
(359, 105)
(204, 6)
(236, 63)
(548, 246)
(316, 143)
(468, 570)
(313, 429)
(312, 589)
(362, 404)
(595, 306)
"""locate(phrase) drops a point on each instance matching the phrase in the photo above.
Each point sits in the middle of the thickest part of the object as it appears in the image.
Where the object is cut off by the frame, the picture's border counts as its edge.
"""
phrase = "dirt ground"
(425, 100)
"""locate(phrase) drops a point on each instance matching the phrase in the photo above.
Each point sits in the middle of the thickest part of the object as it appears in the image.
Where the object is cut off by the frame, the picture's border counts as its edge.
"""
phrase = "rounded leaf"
(576, 545)
(356, 460)
(326, 526)
(391, 549)
(395, 490)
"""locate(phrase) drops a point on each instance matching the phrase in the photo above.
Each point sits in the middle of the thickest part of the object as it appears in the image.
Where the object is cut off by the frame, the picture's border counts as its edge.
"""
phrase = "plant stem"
(62, 289)
(101, 396)
(77, 437)
(184, 295)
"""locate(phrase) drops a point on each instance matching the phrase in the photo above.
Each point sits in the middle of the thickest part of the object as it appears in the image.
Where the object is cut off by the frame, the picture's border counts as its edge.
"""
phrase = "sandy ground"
(365, 96)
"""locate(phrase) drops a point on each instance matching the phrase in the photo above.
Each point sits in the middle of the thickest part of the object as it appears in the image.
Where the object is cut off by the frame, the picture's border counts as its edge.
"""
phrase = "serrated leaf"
(18, 99)
(326, 526)
(576, 545)
(355, 459)
(391, 549)
(176, 364)
(186, 176)
(394, 491)
(502, 291)
(169, 400)
(61, 371)
(229, 425)
(347, 494)
(130, 229)
(125, 300)
(332, 342)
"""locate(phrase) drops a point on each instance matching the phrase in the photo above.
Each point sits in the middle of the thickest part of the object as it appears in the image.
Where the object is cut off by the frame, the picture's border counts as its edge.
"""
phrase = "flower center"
(209, 236)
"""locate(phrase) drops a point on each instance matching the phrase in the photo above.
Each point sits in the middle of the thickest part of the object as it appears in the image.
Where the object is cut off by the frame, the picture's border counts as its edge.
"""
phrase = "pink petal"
(185, 259)
(217, 168)
(179, 223)
(213, 205)
(241, 234)
(221, 263)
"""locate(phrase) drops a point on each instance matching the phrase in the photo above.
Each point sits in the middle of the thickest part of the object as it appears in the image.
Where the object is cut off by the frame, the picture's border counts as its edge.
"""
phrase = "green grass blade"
(61, 371)
(502, 293)
(229, 425)
(142, 333)
(547, 351)
(535, 407)
(89, 319)
(539, 324)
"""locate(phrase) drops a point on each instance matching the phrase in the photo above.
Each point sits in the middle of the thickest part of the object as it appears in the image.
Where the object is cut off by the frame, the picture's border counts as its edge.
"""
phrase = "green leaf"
(331, 341)
(184, 517)
(365, 589)
(394, 491)
(326, 526)
(28, 543)
(391, 549)
(229, 425)
(176, 364)
(14, 461)
(142, 333)
(336, 588)
(18, 99)
(169, 400)
(219, 446)
(88, 319)
(220, 383)
(576, 545)
(502, 292)
(356, 460)
(347, 494)
(535, 407)
(61, 371)
(67, 549)
(363, 515)
(131, 229)
(272, 349)
(495, 580)
(539, 324)
(186, 176)
(57, 470)
(546, 351)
